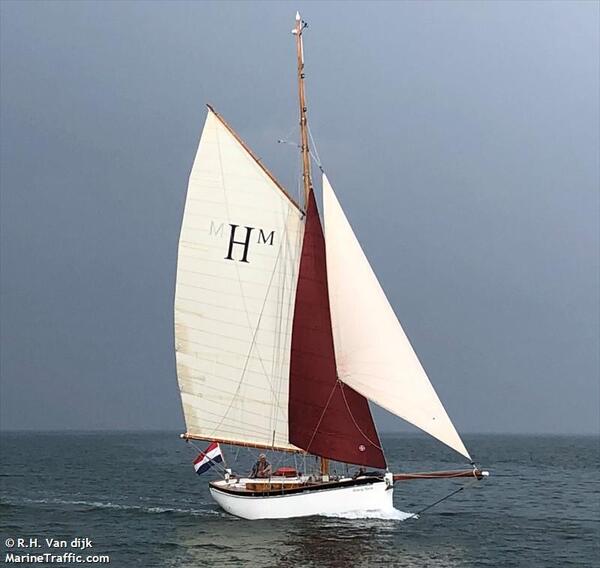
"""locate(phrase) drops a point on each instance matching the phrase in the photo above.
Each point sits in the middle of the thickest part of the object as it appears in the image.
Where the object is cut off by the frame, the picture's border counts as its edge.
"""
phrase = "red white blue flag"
(209, 457)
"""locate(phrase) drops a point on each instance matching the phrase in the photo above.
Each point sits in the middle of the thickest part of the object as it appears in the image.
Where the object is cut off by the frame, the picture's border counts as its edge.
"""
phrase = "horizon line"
(382, 432)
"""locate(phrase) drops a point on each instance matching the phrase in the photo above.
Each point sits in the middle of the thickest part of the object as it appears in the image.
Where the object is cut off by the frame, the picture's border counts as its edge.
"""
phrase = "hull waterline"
(360, 497)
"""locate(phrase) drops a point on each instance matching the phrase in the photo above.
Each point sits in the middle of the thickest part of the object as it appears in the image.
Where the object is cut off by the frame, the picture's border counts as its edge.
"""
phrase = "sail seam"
(213, 349)
(215, 334)
(251, 282)
(223, 292)
(253, 398)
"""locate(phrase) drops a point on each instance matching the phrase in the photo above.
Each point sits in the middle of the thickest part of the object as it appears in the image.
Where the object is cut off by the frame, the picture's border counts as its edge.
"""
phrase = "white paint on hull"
(359, 501)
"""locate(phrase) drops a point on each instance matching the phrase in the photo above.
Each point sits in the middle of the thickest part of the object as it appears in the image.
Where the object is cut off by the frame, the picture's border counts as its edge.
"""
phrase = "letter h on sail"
(245, 243)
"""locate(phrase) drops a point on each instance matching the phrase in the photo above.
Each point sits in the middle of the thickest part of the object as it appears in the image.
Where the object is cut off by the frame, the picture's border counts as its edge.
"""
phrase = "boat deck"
(251, 487)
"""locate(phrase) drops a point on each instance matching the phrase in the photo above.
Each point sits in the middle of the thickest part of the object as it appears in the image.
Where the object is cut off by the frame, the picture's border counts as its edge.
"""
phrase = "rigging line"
(451, 494)
(284, 141)
(291, 245)
(277, 367)
(299, 181)
(237, 453)
(276, 267)
(278, 460)
(352, 416)
(288, 135)
(316, 162)
(321, 418)
(314, 146)
(275, 353)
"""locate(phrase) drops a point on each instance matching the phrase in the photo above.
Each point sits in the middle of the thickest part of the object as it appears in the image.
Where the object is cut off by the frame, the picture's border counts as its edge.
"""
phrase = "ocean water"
(136, 496)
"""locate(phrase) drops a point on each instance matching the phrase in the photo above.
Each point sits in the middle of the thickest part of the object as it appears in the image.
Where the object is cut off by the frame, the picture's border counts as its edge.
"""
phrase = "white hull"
(366, 499)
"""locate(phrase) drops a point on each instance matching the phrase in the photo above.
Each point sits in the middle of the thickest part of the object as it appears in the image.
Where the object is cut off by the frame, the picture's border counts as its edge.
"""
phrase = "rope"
(237, 453)
(298, 173)
(321, 418)
(285, 139)
(315, 156)
(419, 513)
(352, 416)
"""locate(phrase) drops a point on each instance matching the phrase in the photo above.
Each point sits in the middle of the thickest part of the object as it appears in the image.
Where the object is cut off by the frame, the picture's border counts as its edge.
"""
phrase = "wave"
(116, 506)
(380, 514)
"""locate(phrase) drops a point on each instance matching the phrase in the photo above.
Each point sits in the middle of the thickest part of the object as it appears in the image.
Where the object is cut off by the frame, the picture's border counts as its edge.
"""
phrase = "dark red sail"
(326, 417)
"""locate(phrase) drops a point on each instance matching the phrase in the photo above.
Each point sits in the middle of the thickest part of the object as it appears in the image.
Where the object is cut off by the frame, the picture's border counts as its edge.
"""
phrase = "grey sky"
(461, 138)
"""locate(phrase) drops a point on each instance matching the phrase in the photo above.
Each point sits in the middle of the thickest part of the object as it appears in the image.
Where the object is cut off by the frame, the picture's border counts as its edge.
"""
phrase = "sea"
(138, 501)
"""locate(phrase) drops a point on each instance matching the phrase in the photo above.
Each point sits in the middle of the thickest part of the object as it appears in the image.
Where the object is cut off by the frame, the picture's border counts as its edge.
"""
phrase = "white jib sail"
(373, 354)
(237, 269)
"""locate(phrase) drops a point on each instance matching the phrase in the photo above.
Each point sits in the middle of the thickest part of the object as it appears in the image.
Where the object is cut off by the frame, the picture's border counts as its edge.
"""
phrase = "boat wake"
(380, 514)
(117, 506)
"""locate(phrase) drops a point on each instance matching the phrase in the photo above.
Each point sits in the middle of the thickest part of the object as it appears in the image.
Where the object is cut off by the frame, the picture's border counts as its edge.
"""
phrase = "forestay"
(373, 354)
(237, 269)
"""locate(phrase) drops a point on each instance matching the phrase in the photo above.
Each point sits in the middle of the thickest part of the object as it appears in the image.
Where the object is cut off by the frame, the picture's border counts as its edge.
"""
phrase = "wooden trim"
(438, 475)
(305, 488)
(187, 436)
(255, 158)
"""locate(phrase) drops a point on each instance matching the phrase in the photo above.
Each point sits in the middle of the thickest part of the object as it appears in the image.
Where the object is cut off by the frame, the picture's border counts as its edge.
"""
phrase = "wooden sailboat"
(283, 334)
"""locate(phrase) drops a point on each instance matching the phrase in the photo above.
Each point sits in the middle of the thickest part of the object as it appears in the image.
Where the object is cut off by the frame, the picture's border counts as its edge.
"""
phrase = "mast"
(304, 147)
(301, 25)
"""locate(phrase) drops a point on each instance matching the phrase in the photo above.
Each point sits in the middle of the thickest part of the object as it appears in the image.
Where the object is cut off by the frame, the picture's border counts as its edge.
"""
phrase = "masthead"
(304, 147)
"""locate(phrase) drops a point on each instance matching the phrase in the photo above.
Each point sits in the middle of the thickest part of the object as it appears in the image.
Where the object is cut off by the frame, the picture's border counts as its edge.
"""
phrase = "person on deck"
(262, 468)
(361, 471)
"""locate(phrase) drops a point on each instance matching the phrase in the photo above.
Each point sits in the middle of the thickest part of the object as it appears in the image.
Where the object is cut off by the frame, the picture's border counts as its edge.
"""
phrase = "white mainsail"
(237, 270)
(373, 354)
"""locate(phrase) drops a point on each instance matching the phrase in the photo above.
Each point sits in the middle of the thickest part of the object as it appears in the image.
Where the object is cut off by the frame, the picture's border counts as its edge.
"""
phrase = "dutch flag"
(208, 458)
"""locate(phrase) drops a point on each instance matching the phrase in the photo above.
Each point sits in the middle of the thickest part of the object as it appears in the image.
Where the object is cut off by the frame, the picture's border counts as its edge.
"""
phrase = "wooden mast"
(304, 146)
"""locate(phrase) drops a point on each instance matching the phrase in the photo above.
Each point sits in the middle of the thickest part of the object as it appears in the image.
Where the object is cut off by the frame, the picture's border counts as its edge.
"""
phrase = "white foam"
(382, 514)
(109, 505)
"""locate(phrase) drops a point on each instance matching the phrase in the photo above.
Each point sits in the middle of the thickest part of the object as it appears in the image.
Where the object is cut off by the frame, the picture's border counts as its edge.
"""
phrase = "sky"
(462, 139)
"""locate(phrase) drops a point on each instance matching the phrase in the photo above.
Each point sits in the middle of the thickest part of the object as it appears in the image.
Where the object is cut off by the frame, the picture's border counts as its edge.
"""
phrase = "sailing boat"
(283, 334)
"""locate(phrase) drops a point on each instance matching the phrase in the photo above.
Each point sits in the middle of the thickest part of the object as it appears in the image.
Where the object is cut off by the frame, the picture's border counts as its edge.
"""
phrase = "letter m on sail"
(262, 238)
(242, 243)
